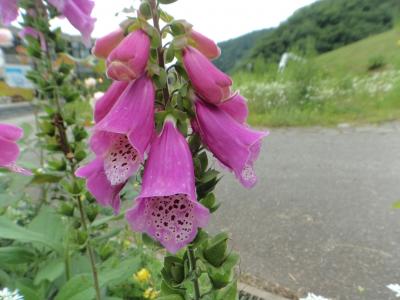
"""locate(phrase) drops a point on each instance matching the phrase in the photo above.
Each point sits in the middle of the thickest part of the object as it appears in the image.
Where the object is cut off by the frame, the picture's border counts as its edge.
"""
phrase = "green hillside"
(234, 50)
(355, 59)
(318, 28)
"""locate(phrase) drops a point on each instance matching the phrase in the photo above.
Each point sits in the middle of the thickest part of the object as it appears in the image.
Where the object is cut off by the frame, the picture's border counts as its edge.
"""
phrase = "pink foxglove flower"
(107, 101)
(78, 14)
(205, 45)
(129, 59)
(123, 135)
(29, 31)
(99, 186)
(9, 150)
(167, 208)
(210, 83)
(235, 145)
(104, 45)
(8, 11)
(236, 107)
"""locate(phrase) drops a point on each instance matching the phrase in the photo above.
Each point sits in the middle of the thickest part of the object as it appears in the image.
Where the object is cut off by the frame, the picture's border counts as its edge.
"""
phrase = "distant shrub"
(376, 62)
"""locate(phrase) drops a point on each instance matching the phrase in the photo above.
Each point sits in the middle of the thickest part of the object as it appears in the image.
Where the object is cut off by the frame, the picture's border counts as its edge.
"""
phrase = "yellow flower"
(126, 244)
(142, 276)
(151, 294)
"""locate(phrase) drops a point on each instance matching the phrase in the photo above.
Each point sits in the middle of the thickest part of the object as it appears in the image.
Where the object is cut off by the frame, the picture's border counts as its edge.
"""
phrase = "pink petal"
(167, 208)
(99, 186)
(235, 145)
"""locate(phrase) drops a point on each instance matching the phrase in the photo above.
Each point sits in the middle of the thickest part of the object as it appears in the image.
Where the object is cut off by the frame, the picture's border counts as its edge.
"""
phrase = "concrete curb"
(263, 295)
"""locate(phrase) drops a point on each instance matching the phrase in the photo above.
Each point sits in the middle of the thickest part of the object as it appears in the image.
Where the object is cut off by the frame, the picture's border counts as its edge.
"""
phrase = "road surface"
(320, 219)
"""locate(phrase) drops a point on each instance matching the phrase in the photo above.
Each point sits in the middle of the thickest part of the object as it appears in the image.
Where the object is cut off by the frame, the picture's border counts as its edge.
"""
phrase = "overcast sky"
(218, 19)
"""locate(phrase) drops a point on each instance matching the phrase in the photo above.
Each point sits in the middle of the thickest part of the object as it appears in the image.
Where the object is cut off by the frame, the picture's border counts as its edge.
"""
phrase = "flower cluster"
(76, 11)
(125, 137)
(7, 294)
(9, 150)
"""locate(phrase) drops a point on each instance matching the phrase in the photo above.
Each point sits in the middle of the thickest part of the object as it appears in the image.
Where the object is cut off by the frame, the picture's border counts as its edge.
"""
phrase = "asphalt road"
(320, 219)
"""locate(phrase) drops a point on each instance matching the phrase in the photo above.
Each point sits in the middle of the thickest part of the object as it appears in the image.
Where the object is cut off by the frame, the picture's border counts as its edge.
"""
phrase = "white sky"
(218, 19)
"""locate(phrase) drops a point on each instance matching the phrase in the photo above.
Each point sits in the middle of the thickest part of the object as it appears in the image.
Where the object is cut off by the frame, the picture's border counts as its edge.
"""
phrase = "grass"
(355, 58)
(336, 87)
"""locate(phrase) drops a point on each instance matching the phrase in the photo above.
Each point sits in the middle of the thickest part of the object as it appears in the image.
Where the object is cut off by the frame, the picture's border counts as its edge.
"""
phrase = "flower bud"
(205, 45)
(129, 59)
(210, 83)
(104, 45)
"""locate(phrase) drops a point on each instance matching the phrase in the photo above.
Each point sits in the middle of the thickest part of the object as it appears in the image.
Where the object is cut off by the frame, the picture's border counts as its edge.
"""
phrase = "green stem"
(193, 271)
(66, 149)
(90, 250)
(67, 264)
(160, 50)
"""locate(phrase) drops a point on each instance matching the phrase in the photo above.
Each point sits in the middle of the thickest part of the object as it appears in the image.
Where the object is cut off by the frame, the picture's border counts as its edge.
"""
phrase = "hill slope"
(321, 27)
(237, 49)
(354, 59)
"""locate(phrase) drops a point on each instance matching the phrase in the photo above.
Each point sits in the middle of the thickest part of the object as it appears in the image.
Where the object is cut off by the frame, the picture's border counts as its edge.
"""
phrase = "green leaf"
(209, 175)
(215, 253)
(396, 205)
(203, 160)
(45, 178)
(77, 288)
(149, 242)
(222, 275)
(167, 290)
(16, 255)
(169, 54)
(210, 202)
(51, 271)
(28, 291)
(106, 220)
(145, 10)
(167, 1)
(167, 18)
(228, 293)
(9, 230)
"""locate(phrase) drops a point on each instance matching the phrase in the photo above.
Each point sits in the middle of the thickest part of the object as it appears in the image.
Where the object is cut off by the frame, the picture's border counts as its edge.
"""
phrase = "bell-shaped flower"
(211, 84)
(104, 45)
(9, 150)
(166, 208)
(99, 186)
(235, 145)
(107, 101)
(205, 45)
(129, 59)
(123, 135)
(78, 14)
(236, 107)
(8, 11)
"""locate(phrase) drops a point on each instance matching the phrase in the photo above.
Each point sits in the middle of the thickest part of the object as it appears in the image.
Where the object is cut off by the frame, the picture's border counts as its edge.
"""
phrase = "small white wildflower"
(395, 288)
(90, 82)
(6, 294)
(312, 296)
